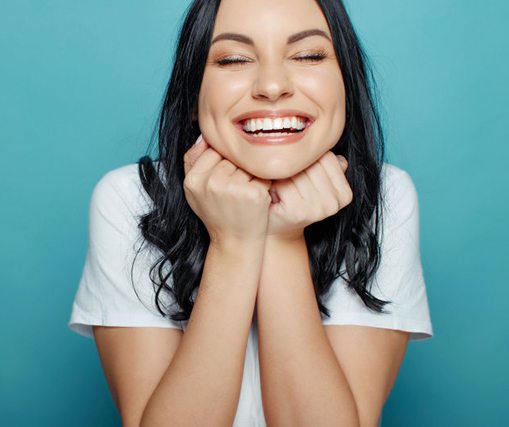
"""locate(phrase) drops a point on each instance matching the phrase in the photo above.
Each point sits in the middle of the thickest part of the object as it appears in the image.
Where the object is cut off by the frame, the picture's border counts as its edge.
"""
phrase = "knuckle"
(348, 197)
(329, 154)
(187, 156)
(190, 181)
(224, 163)
(213, 185)
(333, 207)
(299, 216)
(259, 195)
(343, 162)
(267, 199)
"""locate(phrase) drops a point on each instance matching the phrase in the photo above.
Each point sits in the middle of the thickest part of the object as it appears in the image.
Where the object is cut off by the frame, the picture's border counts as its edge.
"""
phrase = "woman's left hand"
(313, 194)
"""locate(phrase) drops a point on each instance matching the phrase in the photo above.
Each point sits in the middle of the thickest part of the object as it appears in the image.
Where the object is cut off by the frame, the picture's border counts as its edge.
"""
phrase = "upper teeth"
(252, 125)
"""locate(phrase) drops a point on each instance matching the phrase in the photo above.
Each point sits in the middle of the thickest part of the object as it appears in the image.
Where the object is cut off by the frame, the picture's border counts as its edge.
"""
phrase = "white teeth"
(253, 125)
(278, 124)
(273, 134)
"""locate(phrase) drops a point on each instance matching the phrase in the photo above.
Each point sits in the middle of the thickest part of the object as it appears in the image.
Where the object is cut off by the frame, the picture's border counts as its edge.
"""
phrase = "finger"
(266, 184)
(304, 186)
(344, 163)
(194, 153)
(225, 167)
(287, 192)
(207, 160)
(241, 175)
(334, 168)
(274, 196)
(321, 181)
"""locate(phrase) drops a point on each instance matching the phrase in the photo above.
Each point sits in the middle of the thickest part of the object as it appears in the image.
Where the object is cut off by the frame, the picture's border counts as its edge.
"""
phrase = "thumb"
(194, 152)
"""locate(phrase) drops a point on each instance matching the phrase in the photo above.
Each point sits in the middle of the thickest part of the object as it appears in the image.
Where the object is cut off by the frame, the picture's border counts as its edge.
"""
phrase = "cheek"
(335, 102)
(326, 88)
(327, 91)
(335, 95)
(218, 93)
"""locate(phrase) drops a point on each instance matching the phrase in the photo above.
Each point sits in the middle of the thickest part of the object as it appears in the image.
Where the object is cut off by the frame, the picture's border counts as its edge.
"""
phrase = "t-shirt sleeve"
(399, 278)
(107, 294)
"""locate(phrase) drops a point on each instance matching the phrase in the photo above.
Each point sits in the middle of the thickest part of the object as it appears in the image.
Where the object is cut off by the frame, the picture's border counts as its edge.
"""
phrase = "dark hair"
(348, 238)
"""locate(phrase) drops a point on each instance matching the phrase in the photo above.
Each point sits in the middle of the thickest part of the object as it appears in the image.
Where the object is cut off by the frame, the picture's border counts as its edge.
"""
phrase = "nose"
(272, 82)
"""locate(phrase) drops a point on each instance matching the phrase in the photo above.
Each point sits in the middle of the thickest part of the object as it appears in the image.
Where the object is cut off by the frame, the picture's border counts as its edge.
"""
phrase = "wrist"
(287, 238)
(279, 245)
(237, 244)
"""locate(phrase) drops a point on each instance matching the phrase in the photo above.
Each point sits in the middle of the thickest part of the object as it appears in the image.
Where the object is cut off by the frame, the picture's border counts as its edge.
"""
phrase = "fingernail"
(200, 139)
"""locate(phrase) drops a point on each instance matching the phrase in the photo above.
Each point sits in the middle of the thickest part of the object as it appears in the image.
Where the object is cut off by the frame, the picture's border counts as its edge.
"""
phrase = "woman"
(283, 211)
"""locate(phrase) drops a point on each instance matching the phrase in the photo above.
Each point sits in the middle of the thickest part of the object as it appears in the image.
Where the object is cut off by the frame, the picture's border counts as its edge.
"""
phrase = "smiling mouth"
(265, 133)
(274, 127)
(274, 131)
(284, 132)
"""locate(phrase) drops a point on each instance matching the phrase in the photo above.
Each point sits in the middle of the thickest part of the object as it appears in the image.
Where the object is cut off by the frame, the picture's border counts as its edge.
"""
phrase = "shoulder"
(399, 193)
(123, 180)
(120, 193)
(395, 179)
(118, 202)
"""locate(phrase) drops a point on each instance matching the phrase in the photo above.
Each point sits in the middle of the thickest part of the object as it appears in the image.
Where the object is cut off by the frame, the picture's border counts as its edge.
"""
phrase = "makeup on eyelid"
(305, 55)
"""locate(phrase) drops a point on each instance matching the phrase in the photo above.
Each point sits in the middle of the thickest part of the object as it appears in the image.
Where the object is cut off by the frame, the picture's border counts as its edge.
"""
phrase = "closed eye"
(315, 57)
(230, 60)
(240, 61)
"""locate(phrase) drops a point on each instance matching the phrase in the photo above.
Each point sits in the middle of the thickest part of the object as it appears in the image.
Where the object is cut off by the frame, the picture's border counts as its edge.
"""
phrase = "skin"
(272, 77)
(255, 202)
(307, 181)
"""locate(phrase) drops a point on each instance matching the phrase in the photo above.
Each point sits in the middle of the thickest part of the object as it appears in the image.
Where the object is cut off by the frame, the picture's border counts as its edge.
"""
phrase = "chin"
(271, 173)
(275, 168)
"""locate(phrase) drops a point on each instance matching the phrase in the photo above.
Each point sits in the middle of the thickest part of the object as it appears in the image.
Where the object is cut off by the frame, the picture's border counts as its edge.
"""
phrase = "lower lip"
(274, 140)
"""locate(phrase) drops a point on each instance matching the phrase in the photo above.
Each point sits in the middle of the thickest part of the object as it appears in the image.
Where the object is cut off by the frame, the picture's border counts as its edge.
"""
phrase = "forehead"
(269, 18)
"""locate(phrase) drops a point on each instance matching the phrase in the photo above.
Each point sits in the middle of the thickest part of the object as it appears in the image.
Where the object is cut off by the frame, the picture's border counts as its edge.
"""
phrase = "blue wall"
(80, 86)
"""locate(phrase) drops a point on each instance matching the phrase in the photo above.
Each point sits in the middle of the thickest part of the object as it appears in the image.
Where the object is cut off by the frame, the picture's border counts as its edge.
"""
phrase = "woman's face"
(274, 76)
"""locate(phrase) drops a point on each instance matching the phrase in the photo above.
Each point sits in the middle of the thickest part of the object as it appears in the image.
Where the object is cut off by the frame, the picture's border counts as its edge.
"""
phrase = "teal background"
(80, 87)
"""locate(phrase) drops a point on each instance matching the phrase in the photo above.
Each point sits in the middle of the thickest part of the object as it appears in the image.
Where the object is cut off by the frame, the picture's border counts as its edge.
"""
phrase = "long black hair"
(343, 245)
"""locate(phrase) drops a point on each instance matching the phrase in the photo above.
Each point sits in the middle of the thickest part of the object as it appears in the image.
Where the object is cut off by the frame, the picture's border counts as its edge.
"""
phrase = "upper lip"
(272, 114)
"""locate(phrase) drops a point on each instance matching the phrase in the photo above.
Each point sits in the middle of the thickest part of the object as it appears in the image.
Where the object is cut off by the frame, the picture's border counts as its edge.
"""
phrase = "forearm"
(302, 381)
(202, 383)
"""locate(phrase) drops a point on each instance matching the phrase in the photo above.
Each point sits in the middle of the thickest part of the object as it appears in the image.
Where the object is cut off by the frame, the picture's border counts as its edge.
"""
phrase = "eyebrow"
(294, 38)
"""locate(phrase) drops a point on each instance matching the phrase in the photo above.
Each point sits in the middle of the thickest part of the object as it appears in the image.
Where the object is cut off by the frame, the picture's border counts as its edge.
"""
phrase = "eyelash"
(229, 61)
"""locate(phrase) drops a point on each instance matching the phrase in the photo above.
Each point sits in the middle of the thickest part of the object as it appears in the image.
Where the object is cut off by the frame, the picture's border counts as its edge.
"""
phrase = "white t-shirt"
(105, 295)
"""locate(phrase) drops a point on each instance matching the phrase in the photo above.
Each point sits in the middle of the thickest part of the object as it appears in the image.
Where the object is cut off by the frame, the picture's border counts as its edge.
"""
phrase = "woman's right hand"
(231, 203)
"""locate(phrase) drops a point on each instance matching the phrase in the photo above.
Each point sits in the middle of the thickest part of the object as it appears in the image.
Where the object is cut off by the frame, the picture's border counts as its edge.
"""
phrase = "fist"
(315, 193)
(232, 204)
